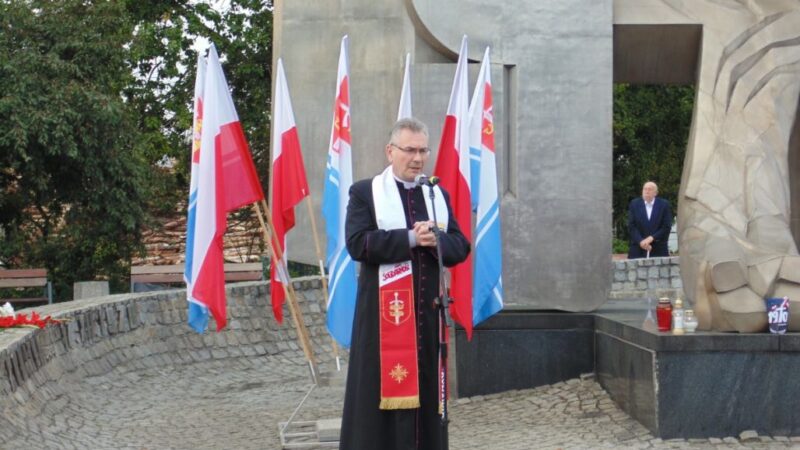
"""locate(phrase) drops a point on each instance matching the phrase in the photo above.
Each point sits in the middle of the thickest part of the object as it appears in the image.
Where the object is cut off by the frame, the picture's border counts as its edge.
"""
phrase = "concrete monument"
(554, 64)
(552, 77)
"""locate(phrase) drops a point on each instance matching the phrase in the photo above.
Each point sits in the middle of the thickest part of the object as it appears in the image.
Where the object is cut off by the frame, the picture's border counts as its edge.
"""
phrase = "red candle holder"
(664, 314)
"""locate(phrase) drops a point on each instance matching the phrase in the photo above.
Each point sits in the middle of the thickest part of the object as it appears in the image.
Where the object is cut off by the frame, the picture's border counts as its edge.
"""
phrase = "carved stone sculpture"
(734, 211)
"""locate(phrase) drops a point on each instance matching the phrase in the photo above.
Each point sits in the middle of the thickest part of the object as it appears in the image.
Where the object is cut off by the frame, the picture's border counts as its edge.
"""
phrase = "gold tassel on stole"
(399, 402)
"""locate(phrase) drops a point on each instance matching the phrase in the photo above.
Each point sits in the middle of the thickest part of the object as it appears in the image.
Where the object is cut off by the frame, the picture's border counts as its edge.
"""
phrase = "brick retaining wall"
(647, 277)
(135, 331)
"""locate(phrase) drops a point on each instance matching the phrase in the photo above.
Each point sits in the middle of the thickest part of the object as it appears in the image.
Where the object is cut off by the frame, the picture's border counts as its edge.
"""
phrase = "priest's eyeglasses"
(424, 151)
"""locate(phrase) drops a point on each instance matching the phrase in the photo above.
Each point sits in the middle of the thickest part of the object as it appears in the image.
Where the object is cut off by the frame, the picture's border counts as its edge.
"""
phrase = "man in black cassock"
(364, 425)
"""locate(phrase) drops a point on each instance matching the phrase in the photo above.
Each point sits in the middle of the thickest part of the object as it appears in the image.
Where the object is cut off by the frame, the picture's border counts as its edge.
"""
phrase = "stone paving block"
(73, 330)
(748, 436)
(104, 331)
(208, 340)
(133, 315)
(123, 323)
(235, 352)
(201, 355)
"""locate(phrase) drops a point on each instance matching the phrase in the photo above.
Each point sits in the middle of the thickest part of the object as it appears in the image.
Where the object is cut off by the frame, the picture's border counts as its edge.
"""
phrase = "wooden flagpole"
(323, 276)
(277, 258)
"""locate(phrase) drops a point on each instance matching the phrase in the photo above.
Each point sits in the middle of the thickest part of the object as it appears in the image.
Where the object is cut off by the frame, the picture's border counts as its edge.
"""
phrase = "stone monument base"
(698, 385)
(524, 349)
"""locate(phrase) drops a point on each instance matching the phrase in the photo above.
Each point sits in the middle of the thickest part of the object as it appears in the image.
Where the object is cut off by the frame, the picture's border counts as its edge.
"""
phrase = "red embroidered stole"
(398, 338)
(398, 320)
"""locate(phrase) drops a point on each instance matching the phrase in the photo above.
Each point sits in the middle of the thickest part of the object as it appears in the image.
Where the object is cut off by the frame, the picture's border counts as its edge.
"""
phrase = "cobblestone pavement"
(577, 414)
(236, 403)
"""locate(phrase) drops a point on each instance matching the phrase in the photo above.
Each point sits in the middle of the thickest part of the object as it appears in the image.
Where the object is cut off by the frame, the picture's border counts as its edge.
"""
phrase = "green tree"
(163, 55)
(246, 44)
(651, 129)
(71, 195)
(95, 118)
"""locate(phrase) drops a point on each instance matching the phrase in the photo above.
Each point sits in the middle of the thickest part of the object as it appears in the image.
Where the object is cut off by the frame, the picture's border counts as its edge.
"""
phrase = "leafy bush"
(619, 246)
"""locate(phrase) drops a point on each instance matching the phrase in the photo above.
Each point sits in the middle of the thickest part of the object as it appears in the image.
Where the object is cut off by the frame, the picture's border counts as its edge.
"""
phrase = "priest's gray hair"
(408, 123)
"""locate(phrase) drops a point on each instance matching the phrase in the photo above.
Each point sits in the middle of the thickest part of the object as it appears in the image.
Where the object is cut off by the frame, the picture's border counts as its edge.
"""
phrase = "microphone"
(424, 180)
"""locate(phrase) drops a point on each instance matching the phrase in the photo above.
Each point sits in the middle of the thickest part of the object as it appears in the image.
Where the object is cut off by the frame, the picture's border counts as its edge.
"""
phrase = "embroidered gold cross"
(399, 373)
(396, 309)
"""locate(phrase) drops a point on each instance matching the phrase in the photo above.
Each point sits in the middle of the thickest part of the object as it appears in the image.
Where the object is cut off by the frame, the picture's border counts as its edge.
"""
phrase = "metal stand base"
(304, 434)
(309, 434)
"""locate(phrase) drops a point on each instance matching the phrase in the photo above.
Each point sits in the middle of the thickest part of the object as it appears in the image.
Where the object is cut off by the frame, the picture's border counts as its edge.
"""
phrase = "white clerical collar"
(406, 184)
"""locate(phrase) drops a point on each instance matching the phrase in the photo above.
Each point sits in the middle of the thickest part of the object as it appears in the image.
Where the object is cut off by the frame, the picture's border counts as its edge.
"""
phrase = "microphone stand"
(443, 306)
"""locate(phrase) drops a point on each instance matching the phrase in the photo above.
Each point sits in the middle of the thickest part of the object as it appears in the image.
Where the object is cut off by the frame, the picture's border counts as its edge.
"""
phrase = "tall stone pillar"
(552, 75)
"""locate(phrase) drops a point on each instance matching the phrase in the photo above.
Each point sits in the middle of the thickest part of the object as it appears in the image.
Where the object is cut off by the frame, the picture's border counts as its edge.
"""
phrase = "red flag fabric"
(237, 167)
(226, 181)
(453, 169)
(289, 184)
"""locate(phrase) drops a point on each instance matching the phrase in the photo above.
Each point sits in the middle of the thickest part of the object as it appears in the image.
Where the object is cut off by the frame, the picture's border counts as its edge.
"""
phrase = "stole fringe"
(399, 402)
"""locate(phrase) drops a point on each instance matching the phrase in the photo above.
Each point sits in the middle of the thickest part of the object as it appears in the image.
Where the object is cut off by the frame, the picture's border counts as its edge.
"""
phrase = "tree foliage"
(94, 118)
(164, 58)
(72, 188)
(651, 129)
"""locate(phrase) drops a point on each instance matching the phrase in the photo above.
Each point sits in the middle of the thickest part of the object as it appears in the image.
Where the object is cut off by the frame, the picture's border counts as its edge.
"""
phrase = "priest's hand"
(423, 231)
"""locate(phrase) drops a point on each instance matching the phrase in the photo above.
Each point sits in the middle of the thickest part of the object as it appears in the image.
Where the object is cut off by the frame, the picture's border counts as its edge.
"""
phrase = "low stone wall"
(653, 277)
(136, 331)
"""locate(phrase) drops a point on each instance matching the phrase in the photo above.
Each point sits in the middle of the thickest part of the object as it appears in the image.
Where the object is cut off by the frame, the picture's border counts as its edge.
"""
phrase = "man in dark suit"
(649, 224)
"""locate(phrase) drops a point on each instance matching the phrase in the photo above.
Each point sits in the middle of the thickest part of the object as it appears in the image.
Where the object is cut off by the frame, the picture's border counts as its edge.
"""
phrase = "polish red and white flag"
(226, 181)
(453, 169)
(289, 184)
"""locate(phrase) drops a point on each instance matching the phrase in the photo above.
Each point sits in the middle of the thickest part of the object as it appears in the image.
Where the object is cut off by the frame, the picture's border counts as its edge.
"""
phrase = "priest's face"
(408, 153)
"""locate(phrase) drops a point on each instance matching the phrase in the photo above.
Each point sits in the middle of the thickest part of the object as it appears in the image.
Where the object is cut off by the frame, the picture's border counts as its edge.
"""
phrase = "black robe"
(364, 425)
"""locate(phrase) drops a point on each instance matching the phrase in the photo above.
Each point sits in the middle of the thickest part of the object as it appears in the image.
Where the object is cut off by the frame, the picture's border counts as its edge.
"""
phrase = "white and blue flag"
(488, 274)
(338, 179)
(198, 314)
